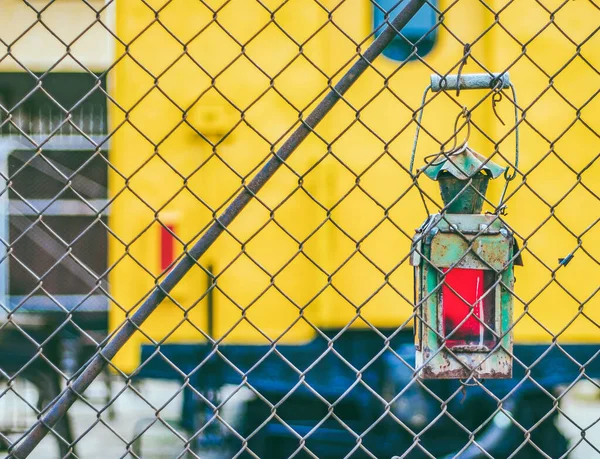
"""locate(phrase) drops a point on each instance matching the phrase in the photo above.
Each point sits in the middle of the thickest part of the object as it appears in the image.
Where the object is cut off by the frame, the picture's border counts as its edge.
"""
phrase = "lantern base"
(464, 365)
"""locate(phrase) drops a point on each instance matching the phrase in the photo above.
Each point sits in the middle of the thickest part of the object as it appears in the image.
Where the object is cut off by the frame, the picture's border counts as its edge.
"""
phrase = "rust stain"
(446, 367)
(463, 373)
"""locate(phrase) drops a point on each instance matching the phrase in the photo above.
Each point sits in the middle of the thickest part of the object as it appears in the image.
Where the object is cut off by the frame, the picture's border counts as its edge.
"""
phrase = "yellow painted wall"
(557, 205)
(182, 147)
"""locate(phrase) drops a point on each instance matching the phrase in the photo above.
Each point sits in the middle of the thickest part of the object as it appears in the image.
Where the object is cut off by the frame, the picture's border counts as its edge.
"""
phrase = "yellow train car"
(204, 93)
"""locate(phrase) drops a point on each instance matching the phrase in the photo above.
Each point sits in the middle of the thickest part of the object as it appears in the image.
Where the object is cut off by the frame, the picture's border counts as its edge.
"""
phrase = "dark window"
(421, 28)
(65, 249)
(40, 107)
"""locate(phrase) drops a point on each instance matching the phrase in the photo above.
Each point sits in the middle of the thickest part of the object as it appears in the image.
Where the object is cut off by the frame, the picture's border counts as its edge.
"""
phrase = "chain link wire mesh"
(128, 128)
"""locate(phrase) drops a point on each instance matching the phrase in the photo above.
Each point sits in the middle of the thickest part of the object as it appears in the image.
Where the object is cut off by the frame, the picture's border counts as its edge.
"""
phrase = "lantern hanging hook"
(430, 160)
(466, 114)
(497, 98)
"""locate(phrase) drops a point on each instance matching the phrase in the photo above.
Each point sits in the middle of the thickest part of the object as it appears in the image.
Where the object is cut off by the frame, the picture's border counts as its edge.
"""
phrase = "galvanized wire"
(56, 229)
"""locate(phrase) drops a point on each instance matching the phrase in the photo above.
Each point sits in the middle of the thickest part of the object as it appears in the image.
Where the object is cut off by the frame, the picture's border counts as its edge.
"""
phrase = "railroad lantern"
(464, 276)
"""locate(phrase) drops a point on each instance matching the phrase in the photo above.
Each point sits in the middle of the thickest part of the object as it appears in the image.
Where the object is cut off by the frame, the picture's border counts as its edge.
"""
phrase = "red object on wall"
(470, 284)
(167, 246)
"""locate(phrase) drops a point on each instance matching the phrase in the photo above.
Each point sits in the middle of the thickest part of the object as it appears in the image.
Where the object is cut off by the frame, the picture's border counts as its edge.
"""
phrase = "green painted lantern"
(464, 274)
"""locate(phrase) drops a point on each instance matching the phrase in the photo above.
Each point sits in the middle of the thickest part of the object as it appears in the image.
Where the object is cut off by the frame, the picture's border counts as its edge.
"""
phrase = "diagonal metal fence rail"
(418, 280)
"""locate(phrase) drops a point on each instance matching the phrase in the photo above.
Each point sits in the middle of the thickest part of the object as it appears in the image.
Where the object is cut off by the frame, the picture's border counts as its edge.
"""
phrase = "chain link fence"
(222, 234)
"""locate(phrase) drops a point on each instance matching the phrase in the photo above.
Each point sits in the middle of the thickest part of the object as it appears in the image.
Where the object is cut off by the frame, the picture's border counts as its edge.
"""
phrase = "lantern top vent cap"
(463, 163)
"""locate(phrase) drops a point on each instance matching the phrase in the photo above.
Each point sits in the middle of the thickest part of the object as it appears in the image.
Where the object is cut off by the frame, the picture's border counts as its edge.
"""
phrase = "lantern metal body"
(464, 273)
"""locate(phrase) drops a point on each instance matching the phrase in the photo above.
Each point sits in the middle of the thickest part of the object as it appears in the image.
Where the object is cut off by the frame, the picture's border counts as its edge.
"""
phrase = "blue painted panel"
(418, 28)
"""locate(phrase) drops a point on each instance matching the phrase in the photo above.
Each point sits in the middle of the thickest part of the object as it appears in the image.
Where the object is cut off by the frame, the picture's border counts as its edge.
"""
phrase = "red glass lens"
(465, 305)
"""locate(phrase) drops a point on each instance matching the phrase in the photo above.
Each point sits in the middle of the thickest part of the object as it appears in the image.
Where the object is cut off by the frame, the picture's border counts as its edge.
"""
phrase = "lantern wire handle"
(509, 177)
(514, 174)
(414, 149)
